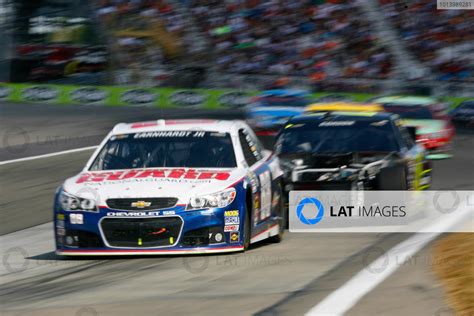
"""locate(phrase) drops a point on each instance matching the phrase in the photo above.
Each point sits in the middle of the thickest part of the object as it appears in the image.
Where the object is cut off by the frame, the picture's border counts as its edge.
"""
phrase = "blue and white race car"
(171, 187)
(272, 109)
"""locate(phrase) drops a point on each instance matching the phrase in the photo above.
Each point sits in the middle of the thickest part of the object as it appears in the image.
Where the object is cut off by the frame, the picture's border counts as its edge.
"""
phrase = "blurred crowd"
(320, 39)
(148, 41)
(127, 12)
(144, 35)
(441, 39)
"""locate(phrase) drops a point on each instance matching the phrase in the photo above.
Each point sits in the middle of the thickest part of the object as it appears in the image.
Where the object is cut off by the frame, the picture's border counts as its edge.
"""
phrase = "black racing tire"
(283, 218)
(393, 178)
(246, 237)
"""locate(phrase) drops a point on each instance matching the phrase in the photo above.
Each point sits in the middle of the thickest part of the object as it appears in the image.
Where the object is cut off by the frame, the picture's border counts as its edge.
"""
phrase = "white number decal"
(76, 219)
(266, 195)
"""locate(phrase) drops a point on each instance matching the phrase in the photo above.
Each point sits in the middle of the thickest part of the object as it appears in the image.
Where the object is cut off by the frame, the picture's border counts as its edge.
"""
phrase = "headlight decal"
(215, 200)
(70, 202)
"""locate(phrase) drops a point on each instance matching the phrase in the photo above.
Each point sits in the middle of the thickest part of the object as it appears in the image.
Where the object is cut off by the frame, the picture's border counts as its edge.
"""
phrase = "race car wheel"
(282, 212)
(246, 236)
(392, 178)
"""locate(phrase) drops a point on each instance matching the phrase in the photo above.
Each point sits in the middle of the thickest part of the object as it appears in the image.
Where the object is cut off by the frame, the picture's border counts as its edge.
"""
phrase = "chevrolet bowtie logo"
(140, 204)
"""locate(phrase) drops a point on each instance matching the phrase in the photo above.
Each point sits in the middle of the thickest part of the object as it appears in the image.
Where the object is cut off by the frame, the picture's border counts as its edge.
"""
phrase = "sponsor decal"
(139, 97)
(256, 201)
(170, 134)
(337, 123)
(133, 214)
(187, 98)
(169, 212)
(60, 217)
(235, 237)
(77, 219)
(4, 92)
(232, 220)
(60, 224)
(233, 99)
(231, 213)
(231, 228)
(89, 95)
(140, 204)
(61, 231)
(40, 93)
(154, 174)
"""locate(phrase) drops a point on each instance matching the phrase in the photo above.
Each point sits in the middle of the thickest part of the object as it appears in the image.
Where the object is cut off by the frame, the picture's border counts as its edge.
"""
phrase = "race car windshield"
(467, 105)
(338, 137)
(283, 101)
(416, 112)
(189, 149)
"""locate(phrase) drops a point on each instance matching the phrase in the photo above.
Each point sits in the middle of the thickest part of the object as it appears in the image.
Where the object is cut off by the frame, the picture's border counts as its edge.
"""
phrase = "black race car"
(351, 151)
(463, 114)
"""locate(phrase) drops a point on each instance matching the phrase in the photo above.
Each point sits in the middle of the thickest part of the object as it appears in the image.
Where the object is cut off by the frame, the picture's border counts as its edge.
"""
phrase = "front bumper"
(169, 231)
(146, 252)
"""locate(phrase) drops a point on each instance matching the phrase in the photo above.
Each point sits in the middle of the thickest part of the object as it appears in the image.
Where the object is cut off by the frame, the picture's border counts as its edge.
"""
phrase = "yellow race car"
(344, 107)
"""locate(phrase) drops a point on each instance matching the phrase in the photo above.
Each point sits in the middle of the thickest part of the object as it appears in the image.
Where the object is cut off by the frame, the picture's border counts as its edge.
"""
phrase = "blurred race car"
(463, 113)
(171, 187)
(434, 128)
(334, 98)
(271, 109)
(344, 106)
(351, 151)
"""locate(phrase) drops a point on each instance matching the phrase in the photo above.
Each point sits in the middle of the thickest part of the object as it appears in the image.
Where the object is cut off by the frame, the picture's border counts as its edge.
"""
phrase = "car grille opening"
(142, 204)
(141, 232)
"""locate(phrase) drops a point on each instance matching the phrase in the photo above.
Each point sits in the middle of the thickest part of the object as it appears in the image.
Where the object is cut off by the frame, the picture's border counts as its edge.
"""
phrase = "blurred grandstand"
(371, 45)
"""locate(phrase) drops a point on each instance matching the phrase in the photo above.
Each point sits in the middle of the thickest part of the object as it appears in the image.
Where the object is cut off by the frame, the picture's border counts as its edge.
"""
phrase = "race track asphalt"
(287, 278)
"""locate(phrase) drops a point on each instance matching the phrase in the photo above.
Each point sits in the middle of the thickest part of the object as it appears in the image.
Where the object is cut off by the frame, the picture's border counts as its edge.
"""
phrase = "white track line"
(6, 162)
(345, 297)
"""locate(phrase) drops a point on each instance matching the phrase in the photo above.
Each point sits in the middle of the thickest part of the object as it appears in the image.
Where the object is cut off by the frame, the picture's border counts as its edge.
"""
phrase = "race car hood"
(426, 126)
(182, 183)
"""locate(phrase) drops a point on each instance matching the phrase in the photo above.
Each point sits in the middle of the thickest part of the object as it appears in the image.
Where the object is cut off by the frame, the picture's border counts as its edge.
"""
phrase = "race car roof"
(405, 100)
(340, 115)
(208, 125)
(344, 106)
(284, 93)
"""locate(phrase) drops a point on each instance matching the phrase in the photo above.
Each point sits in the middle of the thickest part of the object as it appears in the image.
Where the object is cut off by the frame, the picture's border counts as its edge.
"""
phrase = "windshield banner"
(381, 211)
